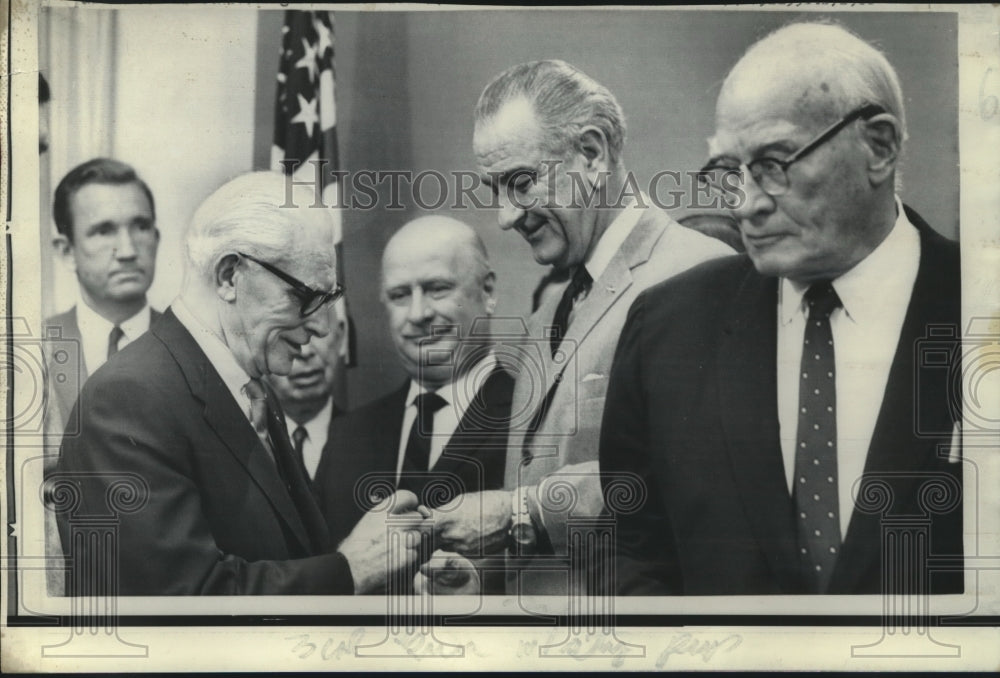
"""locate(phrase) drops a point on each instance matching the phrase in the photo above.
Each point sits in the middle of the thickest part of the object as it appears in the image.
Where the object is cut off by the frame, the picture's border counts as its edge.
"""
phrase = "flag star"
(307, 114)
(308, 60)
(325, 36)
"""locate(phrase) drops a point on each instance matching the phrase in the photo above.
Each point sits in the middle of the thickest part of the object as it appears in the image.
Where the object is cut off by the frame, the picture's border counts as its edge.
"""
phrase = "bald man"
(757, 395)
(443, 432)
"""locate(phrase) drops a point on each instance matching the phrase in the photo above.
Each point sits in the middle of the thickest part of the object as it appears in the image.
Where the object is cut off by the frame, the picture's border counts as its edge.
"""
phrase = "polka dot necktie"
(816, 496)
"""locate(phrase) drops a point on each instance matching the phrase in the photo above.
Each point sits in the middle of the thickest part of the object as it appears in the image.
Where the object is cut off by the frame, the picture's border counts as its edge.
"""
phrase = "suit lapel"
(375, 446)
(748, 412)
(295, 476)
(480, 423)
(604, 293)
(895, 445)
(613, 282)
(71, 330)
(387, 430)
(224, 416)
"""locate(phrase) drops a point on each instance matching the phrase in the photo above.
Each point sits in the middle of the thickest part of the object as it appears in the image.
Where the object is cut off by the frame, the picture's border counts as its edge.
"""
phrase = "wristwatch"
(522, 538)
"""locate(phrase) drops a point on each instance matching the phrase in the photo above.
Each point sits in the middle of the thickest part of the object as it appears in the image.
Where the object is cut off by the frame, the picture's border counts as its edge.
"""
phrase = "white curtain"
(77, 58)
(167, 91)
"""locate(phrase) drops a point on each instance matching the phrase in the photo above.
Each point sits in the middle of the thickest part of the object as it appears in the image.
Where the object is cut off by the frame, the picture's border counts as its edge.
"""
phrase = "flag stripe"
(305, 120)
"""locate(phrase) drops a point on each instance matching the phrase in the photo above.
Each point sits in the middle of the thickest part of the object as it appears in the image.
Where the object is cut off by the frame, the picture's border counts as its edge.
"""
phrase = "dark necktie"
(417, 458)
(113, 338)
(579, 284)
(299, 436)
(815, 479)
(264, 403)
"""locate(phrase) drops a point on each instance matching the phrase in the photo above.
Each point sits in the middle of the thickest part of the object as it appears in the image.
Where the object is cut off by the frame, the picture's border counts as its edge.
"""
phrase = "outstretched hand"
(473, 524)
(367, 546)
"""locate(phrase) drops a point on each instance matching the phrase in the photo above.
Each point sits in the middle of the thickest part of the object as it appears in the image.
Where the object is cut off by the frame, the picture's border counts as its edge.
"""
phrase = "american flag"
(305, 127)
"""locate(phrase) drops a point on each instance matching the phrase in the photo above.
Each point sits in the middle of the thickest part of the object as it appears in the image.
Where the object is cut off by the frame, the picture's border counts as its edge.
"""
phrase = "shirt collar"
(885, 268)
(316, 427)
(93, 324)
(611, 240)
(137, 324)
(218, 354)
(461, 385)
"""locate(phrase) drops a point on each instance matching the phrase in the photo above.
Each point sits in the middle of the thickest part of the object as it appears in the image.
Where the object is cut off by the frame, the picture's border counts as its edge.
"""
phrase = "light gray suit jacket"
(562, 452)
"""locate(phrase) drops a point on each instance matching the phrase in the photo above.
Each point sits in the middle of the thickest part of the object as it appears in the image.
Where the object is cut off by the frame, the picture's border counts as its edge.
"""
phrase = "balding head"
(813, 71)
(439, 233)
(436, 283)
(816, 116)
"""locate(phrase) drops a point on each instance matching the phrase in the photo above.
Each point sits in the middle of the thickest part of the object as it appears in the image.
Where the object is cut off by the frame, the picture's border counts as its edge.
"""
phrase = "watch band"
(522, 537)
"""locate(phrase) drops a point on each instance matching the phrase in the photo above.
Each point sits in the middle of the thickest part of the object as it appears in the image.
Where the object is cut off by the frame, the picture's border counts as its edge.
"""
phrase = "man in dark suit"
(106, 222)
(213, 501)
(443, 432)
(306, 393)
(756, 396)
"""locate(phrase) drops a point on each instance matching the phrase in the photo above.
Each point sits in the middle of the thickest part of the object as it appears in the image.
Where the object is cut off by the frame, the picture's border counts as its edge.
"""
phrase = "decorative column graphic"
(906, 560)
(591, 544)
(93, 561)
(409, 621)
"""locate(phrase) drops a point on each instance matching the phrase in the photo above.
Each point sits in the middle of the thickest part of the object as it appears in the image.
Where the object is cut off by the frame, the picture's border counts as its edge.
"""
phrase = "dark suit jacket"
(218, 518)
(692, 409)
(62, 393)
(361, 454)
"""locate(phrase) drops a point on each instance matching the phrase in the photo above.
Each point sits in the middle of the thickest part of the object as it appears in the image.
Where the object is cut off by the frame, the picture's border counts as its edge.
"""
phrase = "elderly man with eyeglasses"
(182, 437)
(758, 395)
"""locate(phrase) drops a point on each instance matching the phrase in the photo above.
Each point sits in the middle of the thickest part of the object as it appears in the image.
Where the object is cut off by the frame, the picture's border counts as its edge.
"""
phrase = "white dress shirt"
(95, 330)
(607, 246)
(317, 429)
(875, 295)
(458, 395)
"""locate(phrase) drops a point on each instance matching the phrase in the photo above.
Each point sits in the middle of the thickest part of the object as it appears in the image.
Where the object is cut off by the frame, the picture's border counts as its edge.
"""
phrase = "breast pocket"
(592, 385)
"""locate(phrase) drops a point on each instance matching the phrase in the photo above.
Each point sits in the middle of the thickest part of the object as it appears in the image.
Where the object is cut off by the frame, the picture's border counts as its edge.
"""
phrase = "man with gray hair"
(549, 142)
(757, 395)
(184, 424)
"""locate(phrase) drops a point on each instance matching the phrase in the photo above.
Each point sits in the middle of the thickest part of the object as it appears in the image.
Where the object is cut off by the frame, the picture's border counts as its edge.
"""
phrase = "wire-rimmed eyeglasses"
(722, 175)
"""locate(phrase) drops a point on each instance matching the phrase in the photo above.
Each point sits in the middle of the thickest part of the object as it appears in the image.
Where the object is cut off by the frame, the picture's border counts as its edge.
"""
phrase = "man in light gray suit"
(548, 141)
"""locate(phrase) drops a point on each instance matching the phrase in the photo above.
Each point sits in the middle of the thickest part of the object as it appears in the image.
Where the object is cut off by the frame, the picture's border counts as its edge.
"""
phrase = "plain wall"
(407, 84)
(181, 113)
(186, 118)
